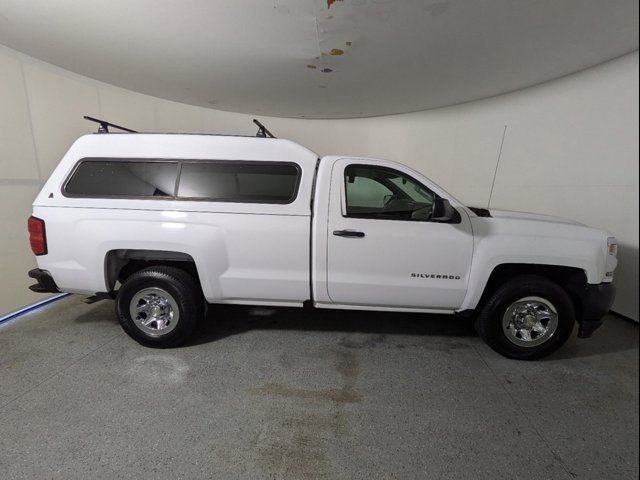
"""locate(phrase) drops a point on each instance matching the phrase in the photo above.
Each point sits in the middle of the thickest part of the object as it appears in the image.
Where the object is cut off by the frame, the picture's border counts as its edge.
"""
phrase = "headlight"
(612, 246)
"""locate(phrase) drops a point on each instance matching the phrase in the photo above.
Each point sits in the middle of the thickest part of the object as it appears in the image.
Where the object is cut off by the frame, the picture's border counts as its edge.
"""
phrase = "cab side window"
(387, 194)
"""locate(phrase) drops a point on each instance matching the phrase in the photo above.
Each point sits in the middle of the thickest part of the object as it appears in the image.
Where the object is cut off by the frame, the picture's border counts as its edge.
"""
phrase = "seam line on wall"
(29, 115)
(495, 172)
(19, 182)
(99, 101)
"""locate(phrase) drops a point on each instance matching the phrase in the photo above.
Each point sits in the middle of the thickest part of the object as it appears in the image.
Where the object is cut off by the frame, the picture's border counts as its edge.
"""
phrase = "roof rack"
(262, 130)
(104, 125)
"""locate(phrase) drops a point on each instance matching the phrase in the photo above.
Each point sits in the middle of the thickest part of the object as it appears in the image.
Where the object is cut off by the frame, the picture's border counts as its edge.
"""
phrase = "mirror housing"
(442, 210)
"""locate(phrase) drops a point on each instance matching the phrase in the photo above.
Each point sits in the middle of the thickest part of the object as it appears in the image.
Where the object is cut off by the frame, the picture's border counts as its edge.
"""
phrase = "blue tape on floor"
(13, 315)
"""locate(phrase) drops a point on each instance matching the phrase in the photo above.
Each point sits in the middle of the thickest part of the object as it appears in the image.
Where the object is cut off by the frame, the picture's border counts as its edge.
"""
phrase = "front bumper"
(45, 284)
(596, 302)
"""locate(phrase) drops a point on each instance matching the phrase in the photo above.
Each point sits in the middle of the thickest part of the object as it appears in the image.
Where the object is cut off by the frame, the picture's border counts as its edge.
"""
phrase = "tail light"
(37, 235)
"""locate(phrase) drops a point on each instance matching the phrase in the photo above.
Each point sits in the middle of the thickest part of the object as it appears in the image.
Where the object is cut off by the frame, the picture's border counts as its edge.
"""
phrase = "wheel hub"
(154, 311)
(530, 321)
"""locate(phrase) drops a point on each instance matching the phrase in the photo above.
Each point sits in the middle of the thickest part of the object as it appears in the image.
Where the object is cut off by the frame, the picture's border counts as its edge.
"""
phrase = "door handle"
(348, 233)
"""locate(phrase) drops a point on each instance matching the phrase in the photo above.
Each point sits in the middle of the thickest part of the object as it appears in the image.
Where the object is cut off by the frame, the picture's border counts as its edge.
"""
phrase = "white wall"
(570, 149)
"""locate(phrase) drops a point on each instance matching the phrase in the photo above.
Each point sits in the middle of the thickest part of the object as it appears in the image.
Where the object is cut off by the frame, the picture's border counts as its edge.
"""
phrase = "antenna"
(104, 125)
(262, 130)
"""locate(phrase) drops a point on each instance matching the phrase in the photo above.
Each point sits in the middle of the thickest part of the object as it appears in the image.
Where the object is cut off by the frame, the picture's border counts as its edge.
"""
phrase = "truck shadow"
(617, 335)
(227, 320)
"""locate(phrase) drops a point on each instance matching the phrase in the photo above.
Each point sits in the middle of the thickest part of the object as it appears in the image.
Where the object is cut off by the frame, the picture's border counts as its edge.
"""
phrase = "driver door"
(383, 249)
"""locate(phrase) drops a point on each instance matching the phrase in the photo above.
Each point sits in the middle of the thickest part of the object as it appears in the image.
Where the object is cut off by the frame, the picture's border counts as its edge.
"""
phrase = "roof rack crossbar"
(104, 125)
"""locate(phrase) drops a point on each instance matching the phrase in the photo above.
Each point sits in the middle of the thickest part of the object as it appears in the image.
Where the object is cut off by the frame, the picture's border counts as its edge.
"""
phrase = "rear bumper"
(45, 284)
(596, 302)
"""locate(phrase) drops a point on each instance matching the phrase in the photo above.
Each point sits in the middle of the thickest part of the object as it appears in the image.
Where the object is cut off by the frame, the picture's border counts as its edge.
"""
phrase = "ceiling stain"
(438, 8)
(348, 44)
(331, 2)
(312, 67)
(336, 52)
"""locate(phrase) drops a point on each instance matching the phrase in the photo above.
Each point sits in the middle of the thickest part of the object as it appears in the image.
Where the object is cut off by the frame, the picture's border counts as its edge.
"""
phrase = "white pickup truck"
(169, 223)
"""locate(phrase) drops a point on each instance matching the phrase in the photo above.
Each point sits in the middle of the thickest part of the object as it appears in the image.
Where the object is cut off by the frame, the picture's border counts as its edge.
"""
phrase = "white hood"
(536, 217)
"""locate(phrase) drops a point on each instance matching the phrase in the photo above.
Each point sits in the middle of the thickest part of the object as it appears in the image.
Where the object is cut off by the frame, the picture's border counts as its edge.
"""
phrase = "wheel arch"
(572, 279)
(119, 264)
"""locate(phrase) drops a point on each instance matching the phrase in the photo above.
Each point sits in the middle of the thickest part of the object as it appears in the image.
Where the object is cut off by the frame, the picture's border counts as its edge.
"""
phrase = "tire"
(527, 318)
(167, 299)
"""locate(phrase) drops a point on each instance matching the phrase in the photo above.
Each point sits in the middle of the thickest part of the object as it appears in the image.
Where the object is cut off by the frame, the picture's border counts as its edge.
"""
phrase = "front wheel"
(527, 318)
(159, 306)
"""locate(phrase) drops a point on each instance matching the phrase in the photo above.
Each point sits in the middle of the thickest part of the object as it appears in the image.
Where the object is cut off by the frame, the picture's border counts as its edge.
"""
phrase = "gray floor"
(310, 395)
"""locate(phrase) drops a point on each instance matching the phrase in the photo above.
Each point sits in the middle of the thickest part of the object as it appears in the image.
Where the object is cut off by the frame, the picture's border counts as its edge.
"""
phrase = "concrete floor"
(310, 395)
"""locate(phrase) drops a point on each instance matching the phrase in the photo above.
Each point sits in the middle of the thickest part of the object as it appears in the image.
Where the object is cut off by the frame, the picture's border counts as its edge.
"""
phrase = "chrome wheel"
(530, 321)
(154, 311)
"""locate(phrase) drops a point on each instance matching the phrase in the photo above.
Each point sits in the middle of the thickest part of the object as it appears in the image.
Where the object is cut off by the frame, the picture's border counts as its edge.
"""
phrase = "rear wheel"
(159, 306)
(527, 318)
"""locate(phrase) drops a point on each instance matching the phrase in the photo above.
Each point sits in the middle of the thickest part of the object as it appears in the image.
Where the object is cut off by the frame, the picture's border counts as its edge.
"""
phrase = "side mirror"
(442, 210)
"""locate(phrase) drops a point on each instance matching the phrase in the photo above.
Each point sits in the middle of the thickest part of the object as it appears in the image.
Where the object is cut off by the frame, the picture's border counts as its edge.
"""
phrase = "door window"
(384, 193)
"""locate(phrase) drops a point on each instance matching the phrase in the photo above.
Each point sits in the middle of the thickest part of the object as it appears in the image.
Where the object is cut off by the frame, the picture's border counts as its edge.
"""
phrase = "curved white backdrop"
(568, 147)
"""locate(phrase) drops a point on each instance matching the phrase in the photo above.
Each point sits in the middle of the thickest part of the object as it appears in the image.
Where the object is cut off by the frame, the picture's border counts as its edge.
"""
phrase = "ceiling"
(321, 58)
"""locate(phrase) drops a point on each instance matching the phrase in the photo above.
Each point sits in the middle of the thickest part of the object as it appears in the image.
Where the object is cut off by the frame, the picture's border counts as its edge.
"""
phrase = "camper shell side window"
(233, 181)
